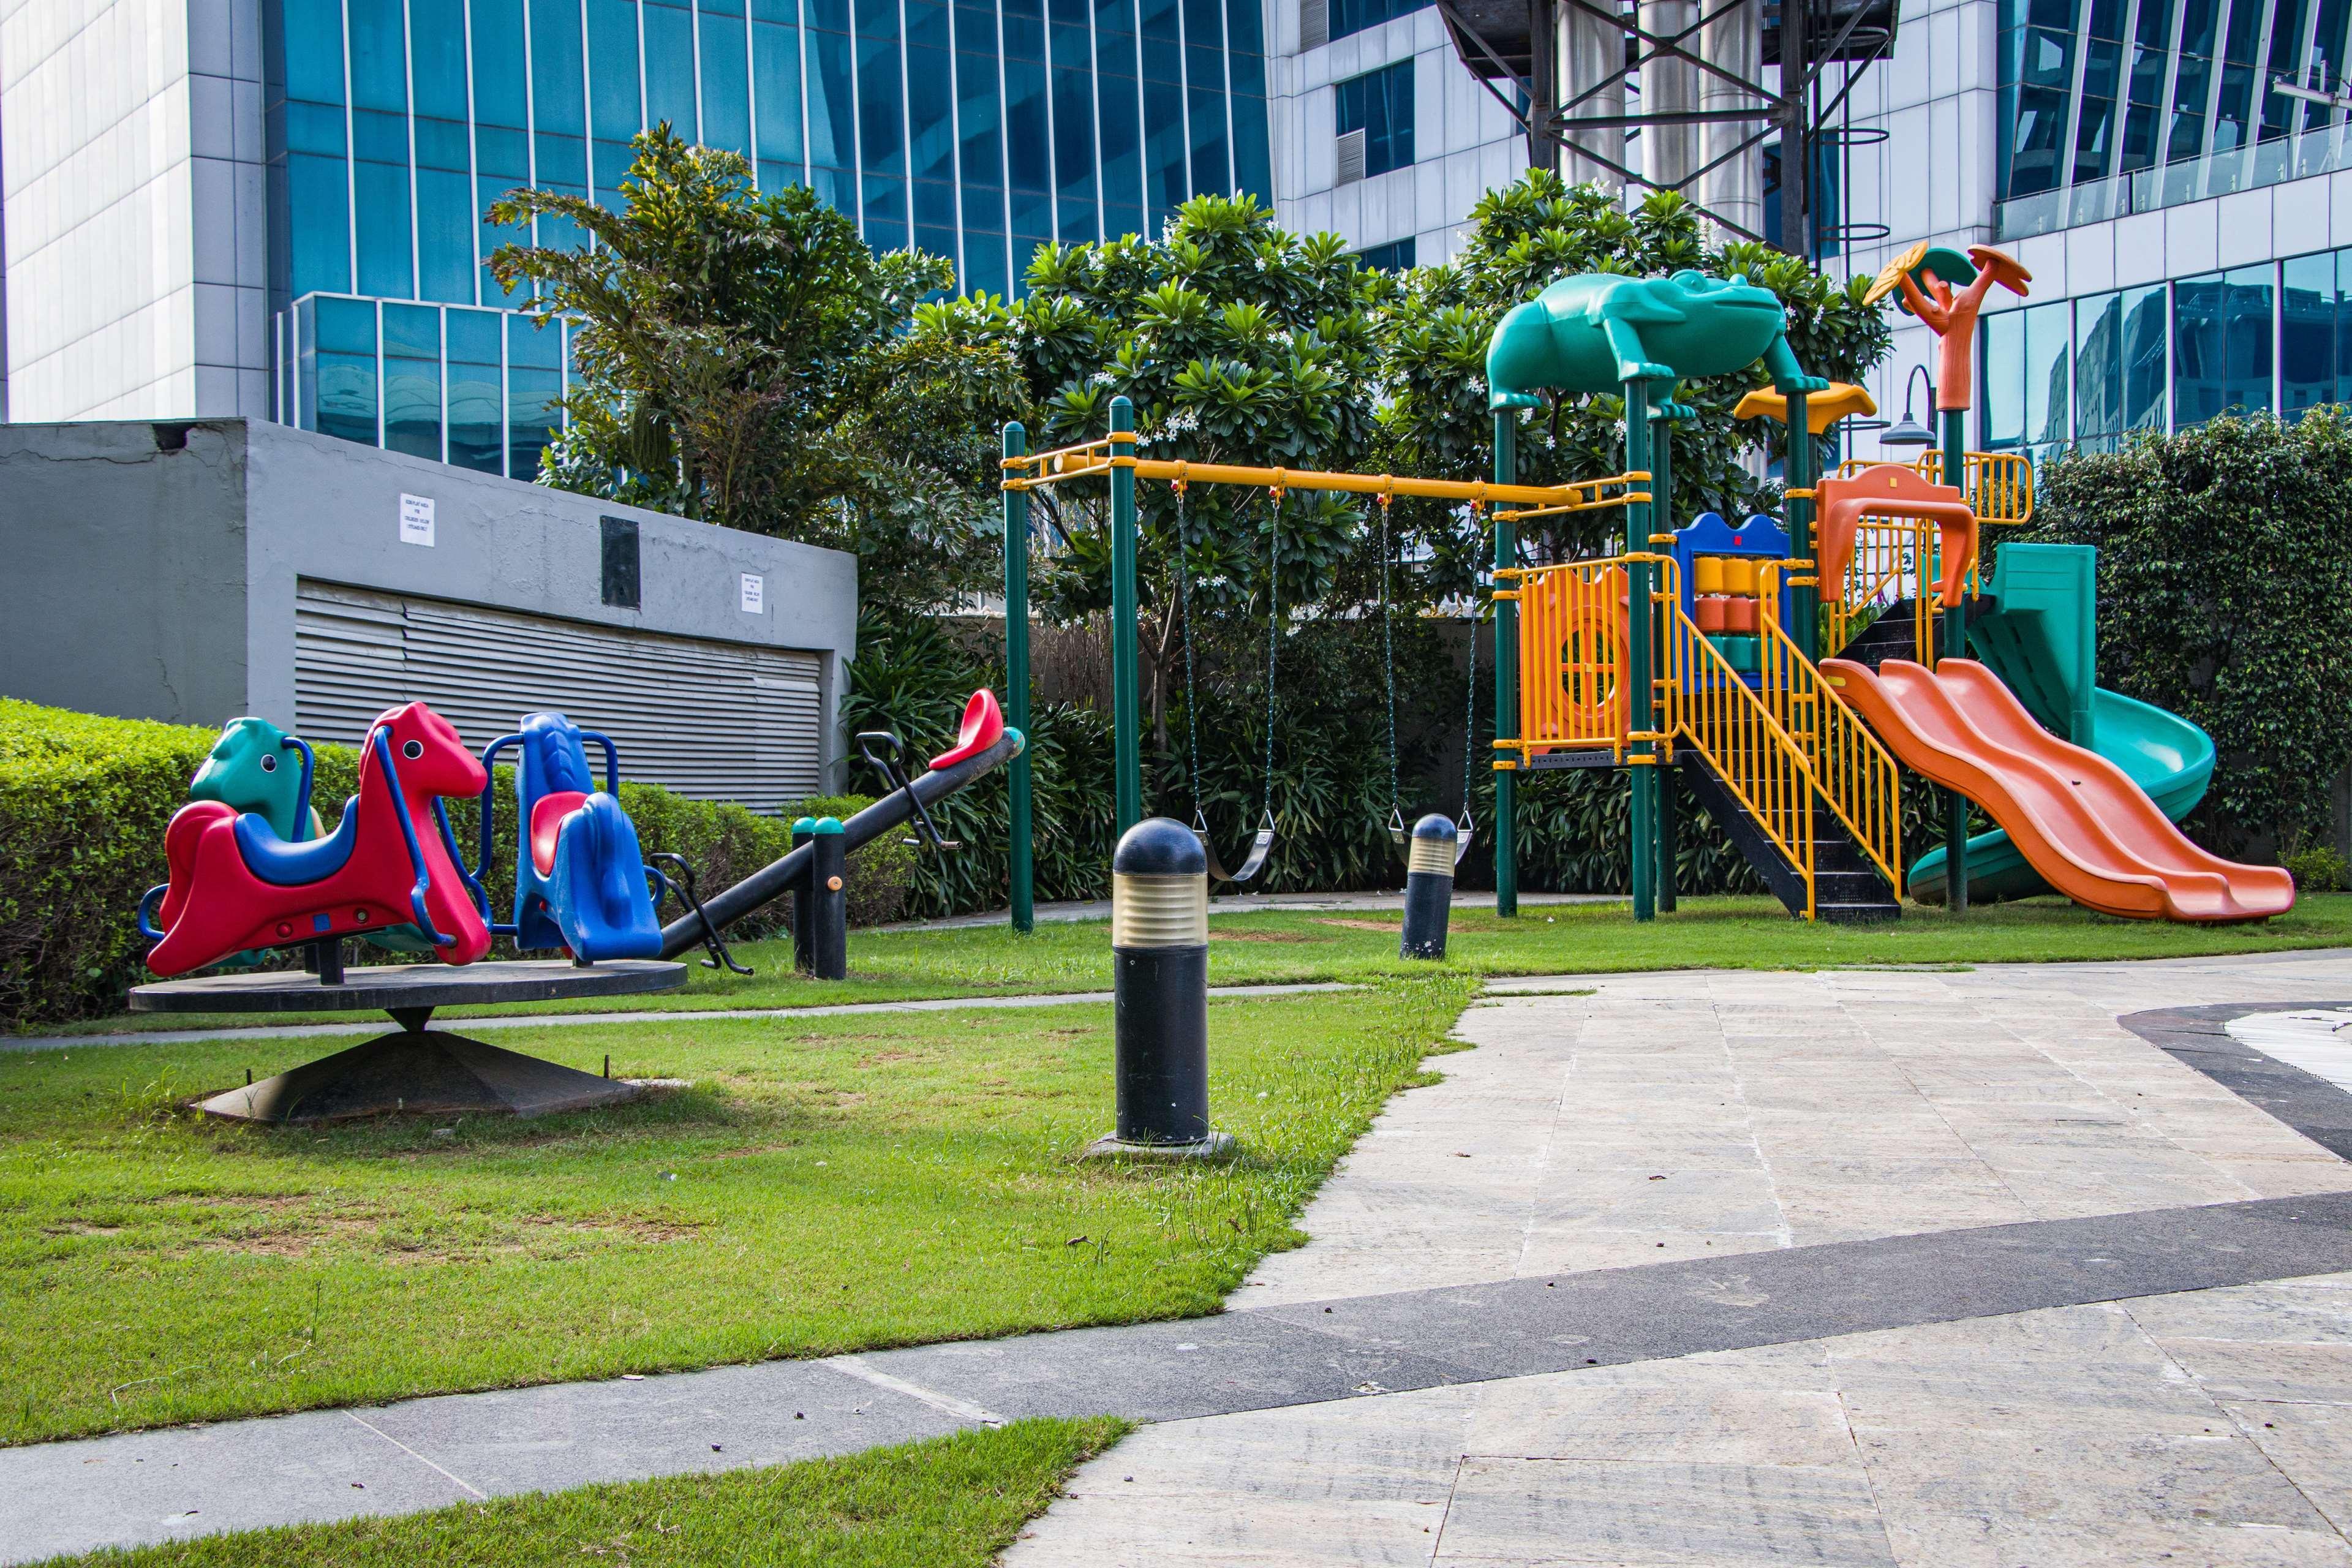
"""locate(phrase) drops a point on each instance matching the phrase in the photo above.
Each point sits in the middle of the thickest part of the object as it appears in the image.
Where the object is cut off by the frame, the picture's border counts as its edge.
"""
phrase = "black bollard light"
(829, 891)
(805, 902)
(1429, 886)
(1159, 964)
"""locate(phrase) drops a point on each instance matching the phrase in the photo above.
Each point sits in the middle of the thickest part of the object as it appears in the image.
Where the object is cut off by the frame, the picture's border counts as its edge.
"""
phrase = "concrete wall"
(153, 568)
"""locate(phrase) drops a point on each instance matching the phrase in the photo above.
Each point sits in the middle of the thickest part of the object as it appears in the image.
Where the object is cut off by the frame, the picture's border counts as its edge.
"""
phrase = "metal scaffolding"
(1675, 95)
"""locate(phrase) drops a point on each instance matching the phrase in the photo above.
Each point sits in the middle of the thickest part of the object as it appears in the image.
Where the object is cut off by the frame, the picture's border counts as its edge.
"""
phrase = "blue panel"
(832, 106)
(983, 269)
(1212, 172)
(306, 356)
(1253, 160)
(2307, 333)
(927, 25)
(380, 147)
(882, 212)
(2003, 400)
(2099, 370)
(981, 159)
(669, 67)
(615, 111)
(319, 197)
(930, 114)
(1245, 37)
(412, 380)
(726, 77)
(2146, 361)
(1163, 42)
(1393, 257)
(881, 107)
(1380, 104)
(559, 110)
(935, 207)
(776, 93)
(534, 388)
(1074, 136)
(2251, 339)
(1027, 139)
(346, 368)
(445, 204)
(502, 156)
(1164, 121)
(313, 32)
(477, 400)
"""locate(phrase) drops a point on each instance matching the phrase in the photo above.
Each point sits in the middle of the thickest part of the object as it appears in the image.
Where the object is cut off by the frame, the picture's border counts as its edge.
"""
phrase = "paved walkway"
(1849, 1267)
(1738, 1121)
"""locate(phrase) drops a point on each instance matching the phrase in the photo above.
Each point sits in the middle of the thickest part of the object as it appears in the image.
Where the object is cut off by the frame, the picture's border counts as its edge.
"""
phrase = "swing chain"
(1191, 701)
(1272, 613)
(1469, 822)
(1387, 649)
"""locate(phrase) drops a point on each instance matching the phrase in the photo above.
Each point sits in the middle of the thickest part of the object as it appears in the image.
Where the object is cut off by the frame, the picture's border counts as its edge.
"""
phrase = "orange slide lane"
(2076, 816)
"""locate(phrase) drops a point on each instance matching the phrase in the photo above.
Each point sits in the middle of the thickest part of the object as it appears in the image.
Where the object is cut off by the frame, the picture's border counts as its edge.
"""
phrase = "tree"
(743, 359)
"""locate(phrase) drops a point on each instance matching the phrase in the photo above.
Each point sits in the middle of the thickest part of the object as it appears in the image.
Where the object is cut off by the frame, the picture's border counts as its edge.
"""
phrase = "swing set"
(1113, 456)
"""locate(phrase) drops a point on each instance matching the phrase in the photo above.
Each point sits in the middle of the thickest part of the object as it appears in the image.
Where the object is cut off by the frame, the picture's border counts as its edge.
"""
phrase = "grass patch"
(947, 1503)
(1275, 945)
(823, 1186)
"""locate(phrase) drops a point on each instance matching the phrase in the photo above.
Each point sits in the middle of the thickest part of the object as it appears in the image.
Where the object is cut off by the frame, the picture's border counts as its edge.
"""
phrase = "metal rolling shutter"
(712, 720)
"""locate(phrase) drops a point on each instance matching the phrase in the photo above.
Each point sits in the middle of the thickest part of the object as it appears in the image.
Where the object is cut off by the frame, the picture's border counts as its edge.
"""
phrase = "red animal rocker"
(235, 884)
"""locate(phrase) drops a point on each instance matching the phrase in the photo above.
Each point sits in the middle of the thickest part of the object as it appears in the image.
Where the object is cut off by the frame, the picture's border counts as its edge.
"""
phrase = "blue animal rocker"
(580, 883)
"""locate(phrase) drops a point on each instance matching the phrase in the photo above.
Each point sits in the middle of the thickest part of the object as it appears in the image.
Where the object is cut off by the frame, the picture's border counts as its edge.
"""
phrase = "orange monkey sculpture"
(1927, 274)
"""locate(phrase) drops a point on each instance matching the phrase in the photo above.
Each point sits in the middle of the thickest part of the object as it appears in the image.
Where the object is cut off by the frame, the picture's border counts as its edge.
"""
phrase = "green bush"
(2225, 594)
(2318, 869)
(84, 802)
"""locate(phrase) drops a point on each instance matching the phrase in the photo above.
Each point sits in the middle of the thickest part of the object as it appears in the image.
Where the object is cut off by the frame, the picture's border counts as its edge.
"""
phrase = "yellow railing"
(1855, 774)
(1893, 558)
(2000, 487)
(1778, 749)
(1573, 657)
(1735, 729)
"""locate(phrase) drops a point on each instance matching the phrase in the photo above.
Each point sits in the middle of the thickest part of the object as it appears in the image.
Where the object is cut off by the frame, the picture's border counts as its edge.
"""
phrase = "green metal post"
(1661, 520)
(1507, 678)
(1804, 598)
(1127, 703)
(1642, 706)
(1016, 683)
(1956, 646)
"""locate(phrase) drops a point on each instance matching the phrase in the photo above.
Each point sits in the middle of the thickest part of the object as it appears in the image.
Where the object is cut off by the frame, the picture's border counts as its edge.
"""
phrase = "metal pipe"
(1591, 74)
(1670, 85)
(777, 878)
(1733, 42)
(1016, 685)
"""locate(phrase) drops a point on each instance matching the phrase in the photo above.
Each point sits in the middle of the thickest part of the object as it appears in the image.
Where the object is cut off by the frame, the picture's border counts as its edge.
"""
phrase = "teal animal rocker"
(1597, 331)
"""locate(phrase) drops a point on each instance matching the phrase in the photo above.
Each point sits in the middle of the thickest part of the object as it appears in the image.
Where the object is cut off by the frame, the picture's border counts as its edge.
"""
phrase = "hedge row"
(84, 801)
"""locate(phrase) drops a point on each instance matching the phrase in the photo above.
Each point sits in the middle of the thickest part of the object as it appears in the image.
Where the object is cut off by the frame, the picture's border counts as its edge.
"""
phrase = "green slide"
(2043, 642)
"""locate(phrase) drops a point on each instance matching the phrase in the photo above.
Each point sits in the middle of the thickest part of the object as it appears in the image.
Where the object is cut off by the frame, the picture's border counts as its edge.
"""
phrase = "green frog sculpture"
(1596, 331)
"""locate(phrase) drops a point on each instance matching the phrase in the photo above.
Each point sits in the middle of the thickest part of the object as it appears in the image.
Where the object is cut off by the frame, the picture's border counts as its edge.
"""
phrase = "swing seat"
(1261, 848)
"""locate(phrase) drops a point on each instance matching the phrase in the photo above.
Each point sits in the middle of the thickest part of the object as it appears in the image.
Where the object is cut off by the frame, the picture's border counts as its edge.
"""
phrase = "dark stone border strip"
(2200, 1037)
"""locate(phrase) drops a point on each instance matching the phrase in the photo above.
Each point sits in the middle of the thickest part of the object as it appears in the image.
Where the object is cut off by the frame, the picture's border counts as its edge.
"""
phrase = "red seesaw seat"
(984, 726)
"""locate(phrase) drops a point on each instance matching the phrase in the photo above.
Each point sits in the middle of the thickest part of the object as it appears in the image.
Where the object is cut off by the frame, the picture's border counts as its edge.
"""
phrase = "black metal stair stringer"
(1846, 887)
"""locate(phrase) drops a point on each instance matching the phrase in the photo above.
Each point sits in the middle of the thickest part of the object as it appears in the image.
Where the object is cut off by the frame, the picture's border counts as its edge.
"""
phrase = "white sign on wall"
(755, 594)
(416, 521)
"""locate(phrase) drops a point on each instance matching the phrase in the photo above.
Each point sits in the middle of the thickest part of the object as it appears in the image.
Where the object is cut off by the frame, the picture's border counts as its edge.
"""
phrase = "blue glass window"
(2147, 359)
(1163, 123)
(726, 77)
(614, 111)
(1072, 43)
(559, 112)
(534, 393)
(306, 364)
(2098, 371)
(412, 380)
(1354, 16)
(501, 153)
(832, 119)
(2221, 345)
(1380, 104)
(776, 90)
(2000, 402)
(1393, 257)
(1028, 148)
(2309, 300)
(1119, 106)
(477, 401)
(379, 70)
(980, 159)
(445, 176)
(318, 179)
(1253, 159)
(1244, 37)
(346, 366)
(1204, 84)
(670, 66)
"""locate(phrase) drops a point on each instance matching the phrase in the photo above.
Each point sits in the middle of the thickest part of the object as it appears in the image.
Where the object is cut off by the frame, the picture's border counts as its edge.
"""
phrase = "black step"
(1892, 634)
(1846, 888)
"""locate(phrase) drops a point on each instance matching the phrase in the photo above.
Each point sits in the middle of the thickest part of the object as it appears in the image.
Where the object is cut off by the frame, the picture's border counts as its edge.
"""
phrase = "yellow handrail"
(1748, 748)
(2000, 487)
(1856, 776)
(1034, 471)
(1893, 557)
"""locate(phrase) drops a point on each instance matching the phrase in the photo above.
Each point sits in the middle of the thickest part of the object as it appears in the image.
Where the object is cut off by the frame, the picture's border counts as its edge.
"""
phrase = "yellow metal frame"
(1088, 458)
(1999, 484)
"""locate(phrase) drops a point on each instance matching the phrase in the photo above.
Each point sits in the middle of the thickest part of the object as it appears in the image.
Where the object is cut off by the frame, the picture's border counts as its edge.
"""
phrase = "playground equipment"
(580, 883)
(237, 884)
(2080, 820)
(1262, 841)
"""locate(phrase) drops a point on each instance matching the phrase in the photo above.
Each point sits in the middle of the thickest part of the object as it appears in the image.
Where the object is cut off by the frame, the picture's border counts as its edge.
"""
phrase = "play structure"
(250, 873)
(1791, 668)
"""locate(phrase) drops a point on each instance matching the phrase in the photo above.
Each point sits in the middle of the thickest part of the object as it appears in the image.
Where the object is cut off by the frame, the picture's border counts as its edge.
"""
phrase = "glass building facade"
(2274, 337)
(977, 131)
(2112, 107)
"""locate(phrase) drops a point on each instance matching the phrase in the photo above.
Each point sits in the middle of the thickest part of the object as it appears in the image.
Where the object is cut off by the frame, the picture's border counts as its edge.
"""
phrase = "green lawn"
(951, 1502)
(1275, 945)
(823, 1186)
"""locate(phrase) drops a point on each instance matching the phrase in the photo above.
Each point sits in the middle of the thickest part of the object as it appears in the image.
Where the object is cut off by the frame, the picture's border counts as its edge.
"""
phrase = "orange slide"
(2076, 816)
